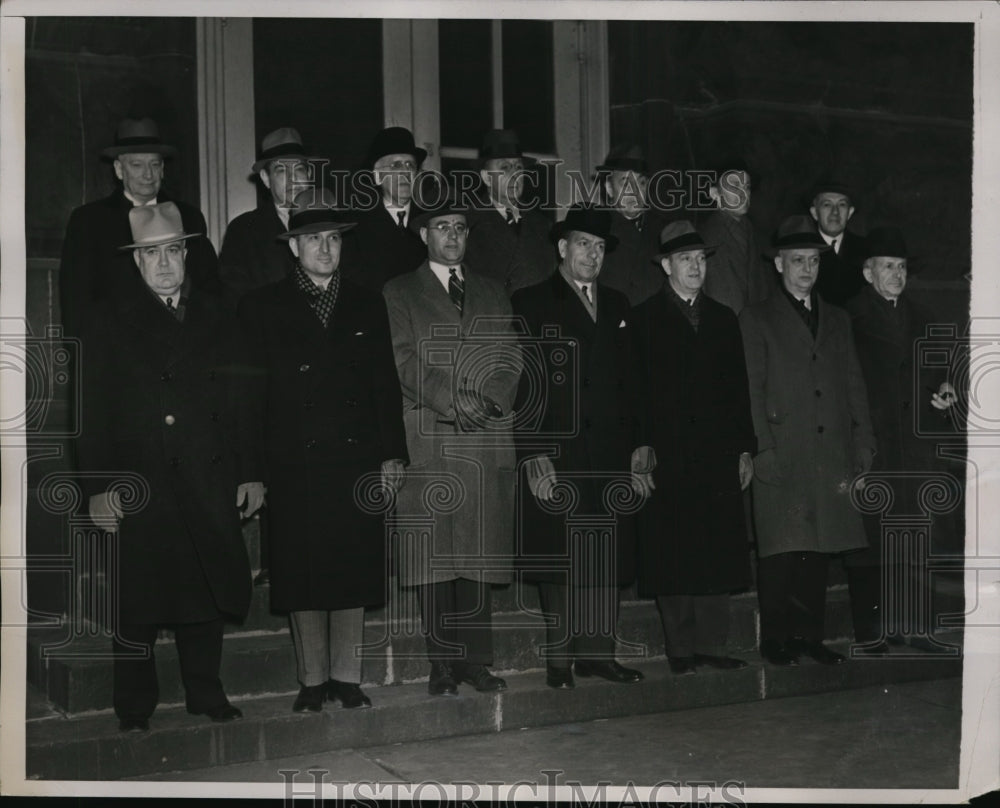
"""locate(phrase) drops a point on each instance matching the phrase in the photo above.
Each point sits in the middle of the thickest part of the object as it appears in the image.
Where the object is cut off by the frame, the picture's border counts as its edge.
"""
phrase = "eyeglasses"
(458, 228)
(399, 165)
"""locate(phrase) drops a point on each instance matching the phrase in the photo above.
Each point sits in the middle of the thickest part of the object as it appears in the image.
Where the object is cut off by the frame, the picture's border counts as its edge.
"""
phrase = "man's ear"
(293, 245)
(423, 234)
(665, 263)
(562, 247)
(135, 254)
(265, 178)
(812, 212)
(866, 270)
(850, 213)
(716, 196)
(118, 168)
(777, 263)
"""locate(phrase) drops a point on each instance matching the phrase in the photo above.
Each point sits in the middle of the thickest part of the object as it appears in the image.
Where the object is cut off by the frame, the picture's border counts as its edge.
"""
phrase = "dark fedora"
(586, 219)
(447, 205)
(798, 233)
(316, 214)
(283, 142)
(680, 237)
(501, 143)
(828, 185)
(138, 137)
(393, 140)
(624, 157)
(886, 242)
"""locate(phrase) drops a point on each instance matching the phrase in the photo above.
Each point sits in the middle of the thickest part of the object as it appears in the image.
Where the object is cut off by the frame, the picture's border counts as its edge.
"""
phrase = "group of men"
(580, 404)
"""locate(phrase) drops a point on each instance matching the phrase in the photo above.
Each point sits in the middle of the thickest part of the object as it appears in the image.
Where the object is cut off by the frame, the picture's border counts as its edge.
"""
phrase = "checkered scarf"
(320, 300)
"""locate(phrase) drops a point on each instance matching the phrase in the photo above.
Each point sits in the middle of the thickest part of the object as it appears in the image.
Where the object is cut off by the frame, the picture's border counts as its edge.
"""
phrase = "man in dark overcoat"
(887, 325)
(93, 266)
(386, 242)
(165, 398)
(693, 548)
(840, 266)
(459, 363)
(507, 241)
(333, 415)
(814, 438)
(578, 443)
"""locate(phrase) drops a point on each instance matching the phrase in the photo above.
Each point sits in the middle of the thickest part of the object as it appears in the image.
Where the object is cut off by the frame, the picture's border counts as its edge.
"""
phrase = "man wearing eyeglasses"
(385, 243)
(459, 364)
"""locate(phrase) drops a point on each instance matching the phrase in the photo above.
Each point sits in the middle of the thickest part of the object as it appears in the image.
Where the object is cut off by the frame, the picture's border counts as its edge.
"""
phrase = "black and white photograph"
(581, 402)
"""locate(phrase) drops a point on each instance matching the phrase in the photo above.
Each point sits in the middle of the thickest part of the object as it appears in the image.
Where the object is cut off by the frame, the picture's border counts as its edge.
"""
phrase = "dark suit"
(92, 267)
(515, 256)
(378, 249)
(168, 401)
(252, 255)
(588, 424)
(629, 268)
(840, 276)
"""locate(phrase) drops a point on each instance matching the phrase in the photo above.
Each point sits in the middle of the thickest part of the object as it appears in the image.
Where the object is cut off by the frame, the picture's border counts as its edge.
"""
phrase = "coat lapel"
(437, 296)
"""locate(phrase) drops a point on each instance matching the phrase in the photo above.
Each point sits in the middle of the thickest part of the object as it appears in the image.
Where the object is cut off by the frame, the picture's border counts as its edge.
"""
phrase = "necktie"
(170, 304)
(401, 216)
(456, 289)
(510, 217)
(586, 293)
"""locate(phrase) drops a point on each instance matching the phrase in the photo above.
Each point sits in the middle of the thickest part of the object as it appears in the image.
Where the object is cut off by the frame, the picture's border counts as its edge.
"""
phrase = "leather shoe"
(349, 694)
(220, 714)
(778, 654)
(442, 680)
(607, 669)
(263, 578)
(725, 663)
(682, 665)
(816, 650)
(559, 678)
(311, 697)
(134, 725)
(480, 678)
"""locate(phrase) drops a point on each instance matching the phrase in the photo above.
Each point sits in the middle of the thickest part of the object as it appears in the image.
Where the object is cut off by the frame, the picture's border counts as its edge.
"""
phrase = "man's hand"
(473, 410)
(642, 464)
(106, 510)
(766, 467)
(393, 475)
(250, 498)
(944, 398)
(863, 460)
(746, 470)
(541, 477)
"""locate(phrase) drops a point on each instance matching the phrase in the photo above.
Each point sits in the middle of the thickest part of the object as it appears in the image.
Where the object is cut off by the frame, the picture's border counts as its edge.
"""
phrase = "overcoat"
(810, 406)
(696, 403)
(251, 254)
(737, 272)
(378, 249)
(92, 267)
(169, 401)
(840, 276)
(462, 482)
(332, 415)
(515, 256)
(578, 403)
(629, 268)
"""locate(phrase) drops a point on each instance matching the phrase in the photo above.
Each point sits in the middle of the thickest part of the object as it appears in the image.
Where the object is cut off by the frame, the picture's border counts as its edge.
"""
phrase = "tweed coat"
(588, 424)
(840, 276)
(810, 406)
(515, 257)
(696, 403)
(251, 254)
(737, 274)
(170, 401)
(629, 268)
(332, 415)
(93, 268)
(378, 249)
(463, 482)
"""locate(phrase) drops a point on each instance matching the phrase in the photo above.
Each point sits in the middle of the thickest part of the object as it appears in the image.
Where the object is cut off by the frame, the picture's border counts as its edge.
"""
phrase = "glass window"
(528, 100)
(465, 69)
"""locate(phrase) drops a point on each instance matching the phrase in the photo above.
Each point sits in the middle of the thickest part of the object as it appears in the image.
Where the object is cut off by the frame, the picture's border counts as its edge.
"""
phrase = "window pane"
(464, 61)
(528, 101)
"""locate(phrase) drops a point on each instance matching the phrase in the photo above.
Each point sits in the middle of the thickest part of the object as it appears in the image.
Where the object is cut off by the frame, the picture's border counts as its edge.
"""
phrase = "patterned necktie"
(586, 293)
(456, 289)
(401, 216)
(171, 307)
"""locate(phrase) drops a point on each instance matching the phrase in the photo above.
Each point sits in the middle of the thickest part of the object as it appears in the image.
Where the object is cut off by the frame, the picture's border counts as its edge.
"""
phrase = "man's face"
(162, 266)
(318, 253)
(141, 174)
(582, 255)
(282, 177)
(395, 173)
(445, 237)
(887, 275)
(627, 192)
(733, 192)
(831, 212)
(799, 270)
(505, 179)
(685, 271)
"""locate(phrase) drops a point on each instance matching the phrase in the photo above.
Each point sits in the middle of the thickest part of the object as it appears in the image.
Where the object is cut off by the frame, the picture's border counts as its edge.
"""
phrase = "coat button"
(303, 368)
(819, 394)
(166, 376)
(814, 357)
(214, 416)
(311, 444)
(216, 459)
(175, 461)
(352, 441)
(170, 420)
(819, 429)
(352, 402)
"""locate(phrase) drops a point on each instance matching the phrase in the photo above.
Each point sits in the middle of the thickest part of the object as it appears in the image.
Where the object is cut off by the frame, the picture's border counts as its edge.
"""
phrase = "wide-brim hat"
(586, 219)
(888, 242)
(447, 204)
(283, 142)
(678, 237)
(829, 185)
(394, 140)
(316, 214)
(501, 143)
(797, 233)
(624, 157)
(153, 225)
(138, 137)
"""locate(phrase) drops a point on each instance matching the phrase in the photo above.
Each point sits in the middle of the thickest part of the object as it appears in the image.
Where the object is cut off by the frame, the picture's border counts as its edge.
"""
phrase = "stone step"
(89, 747)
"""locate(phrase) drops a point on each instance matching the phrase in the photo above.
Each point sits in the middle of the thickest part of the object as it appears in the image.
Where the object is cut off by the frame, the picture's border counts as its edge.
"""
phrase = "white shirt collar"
(136, 202)
(394, 212)
(443, 272)
(284, 214)
(833, 241)
(502, 210)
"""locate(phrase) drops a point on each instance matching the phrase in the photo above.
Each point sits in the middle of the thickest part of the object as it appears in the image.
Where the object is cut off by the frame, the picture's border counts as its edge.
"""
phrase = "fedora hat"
(138, 137)
(312, 214)
(283, 142)
(586, 219)
(828, 185)
(680, 237)
(153, 225)
(797, 233)
(888, 242)
(393, 140)
(447, 205)
(624, 157)
(500, 143)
